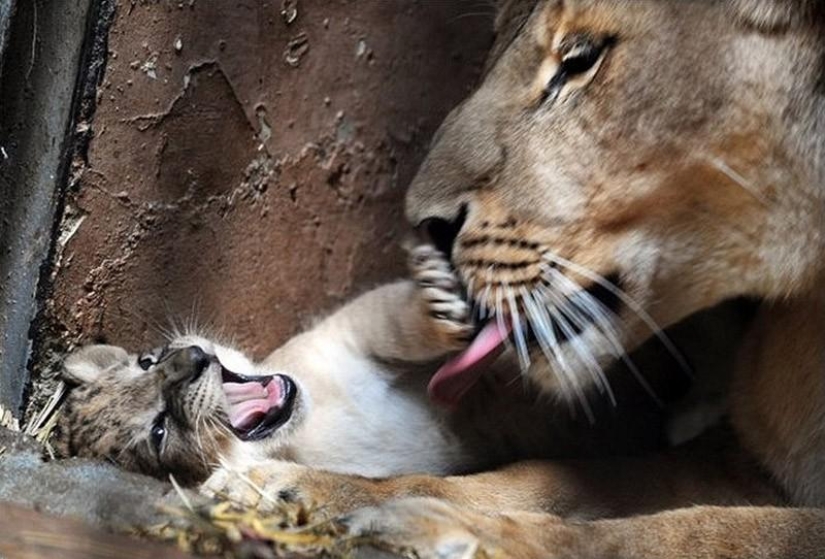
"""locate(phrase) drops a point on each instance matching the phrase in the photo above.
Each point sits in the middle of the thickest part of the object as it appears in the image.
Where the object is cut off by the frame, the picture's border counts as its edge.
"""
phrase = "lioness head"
(179, 409)
(626, 163)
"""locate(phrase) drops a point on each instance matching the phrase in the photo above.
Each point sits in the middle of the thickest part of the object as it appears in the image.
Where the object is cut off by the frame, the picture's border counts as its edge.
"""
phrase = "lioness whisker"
(553, 318)
(485, 15)
(560, 314)
(631, 303)
(605, 320)
(499, 316)
(736, 178)
(518, 332)
(547, 342)
(574, 317)
(483, 309)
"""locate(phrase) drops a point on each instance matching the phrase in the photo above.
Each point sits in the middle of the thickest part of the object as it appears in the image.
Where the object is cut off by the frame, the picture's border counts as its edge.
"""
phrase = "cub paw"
(442, 296)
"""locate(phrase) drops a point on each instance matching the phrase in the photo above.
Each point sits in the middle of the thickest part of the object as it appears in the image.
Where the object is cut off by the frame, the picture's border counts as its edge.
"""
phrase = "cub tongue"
(452, 381)
(250, 402)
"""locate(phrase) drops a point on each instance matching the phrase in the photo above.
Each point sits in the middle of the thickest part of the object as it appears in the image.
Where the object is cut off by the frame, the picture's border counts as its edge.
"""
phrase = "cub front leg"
(269, 485)
(408, 321)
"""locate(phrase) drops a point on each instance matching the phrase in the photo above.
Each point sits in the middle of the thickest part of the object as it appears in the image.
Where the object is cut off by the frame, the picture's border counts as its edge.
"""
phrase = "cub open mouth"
(257, 406)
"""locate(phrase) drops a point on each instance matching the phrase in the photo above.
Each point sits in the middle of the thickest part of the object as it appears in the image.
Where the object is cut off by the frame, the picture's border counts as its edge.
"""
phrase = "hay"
(223, 529)
(8, 421)
(42, 423)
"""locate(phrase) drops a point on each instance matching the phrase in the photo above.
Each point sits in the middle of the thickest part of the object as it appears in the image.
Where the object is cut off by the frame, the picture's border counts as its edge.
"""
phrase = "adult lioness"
(671, 152)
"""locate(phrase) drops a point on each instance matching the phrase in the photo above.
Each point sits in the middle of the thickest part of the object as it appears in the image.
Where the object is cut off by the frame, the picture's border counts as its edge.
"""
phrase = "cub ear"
(88, 363)
(773, 15)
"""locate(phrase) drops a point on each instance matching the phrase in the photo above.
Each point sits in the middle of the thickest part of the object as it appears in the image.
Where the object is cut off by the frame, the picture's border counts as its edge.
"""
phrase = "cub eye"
(158, 432)
(146, 361)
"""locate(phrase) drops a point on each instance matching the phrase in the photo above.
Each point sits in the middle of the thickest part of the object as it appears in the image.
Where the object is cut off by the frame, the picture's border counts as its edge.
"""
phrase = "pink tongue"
(249, 402)
(452, 381)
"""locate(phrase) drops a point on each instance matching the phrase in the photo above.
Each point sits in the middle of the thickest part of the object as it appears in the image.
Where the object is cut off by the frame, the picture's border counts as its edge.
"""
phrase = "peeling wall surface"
(249, 159)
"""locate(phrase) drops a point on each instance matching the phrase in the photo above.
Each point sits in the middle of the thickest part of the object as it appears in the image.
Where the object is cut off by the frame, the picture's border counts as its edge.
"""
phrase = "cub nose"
(443, 232)
(187, 363)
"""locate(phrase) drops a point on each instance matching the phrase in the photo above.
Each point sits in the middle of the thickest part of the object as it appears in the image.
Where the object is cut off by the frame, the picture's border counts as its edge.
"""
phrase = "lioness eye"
(158, 432)
(581, 57)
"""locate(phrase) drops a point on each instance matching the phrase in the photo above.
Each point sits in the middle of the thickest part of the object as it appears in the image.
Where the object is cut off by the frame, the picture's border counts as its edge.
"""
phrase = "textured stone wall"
(248, 161)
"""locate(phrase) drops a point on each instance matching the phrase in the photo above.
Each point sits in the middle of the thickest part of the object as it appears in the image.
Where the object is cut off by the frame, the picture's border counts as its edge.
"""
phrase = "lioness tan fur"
(677, 149)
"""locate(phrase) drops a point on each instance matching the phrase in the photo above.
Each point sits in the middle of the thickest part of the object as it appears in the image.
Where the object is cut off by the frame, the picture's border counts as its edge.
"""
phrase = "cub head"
(179, 409)
(626, 163)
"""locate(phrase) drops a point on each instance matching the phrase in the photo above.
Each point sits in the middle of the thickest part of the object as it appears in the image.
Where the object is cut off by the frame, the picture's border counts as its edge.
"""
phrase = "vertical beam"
(6, 11)
(37, 87)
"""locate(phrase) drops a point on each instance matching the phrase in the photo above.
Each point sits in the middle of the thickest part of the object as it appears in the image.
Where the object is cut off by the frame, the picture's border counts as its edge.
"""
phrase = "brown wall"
(250, 171)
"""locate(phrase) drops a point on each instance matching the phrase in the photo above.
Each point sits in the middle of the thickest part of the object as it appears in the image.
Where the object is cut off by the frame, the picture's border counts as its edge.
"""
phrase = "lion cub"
(349, 395)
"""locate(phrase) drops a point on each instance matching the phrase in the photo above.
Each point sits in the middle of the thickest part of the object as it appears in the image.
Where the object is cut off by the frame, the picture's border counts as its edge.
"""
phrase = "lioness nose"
(187, 363)
(442, 232)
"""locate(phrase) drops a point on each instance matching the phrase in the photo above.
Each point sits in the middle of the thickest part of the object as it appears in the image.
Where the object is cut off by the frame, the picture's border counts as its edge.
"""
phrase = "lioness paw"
(270, 486)
(429, 528)
(265, 486)
(420, 527)
(442, 295)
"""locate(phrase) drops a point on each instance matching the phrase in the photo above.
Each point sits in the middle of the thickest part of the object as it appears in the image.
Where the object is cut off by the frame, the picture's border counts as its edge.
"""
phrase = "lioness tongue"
(452, 381)
(249, 402)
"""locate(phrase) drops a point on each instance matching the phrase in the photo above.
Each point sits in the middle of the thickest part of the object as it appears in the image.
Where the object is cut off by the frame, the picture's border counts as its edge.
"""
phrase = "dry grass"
(224, 530)
(8, 421)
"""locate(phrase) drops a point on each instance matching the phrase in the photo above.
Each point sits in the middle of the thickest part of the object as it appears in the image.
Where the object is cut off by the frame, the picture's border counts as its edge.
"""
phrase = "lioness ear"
(87, 363)
(773, 15)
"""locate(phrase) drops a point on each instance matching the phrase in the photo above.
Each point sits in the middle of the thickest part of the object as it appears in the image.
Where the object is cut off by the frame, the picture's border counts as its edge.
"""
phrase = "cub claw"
(442, 294)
